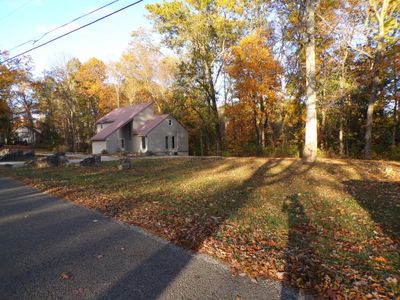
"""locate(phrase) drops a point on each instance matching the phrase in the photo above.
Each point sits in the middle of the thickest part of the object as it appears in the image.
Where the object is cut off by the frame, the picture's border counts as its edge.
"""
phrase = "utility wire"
(72, 31)
(34, 41)
(15, 10)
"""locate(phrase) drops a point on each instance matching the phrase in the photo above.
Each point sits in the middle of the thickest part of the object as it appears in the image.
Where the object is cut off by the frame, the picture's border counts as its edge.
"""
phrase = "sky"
(24, 20)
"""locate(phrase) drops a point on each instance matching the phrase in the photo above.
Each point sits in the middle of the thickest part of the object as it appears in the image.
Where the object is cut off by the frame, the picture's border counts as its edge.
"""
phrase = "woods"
(275, 78)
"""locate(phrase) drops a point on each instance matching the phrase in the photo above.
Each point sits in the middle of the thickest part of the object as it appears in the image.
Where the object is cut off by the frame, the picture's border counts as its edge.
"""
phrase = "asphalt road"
(53, 249)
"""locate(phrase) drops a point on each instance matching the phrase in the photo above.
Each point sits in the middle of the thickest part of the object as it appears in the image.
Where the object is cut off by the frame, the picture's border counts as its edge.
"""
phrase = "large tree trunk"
(395, 109)
(311, 140)
(341, 140)
(377, 77)
(376, 84)
(342, 102)
(324, 143)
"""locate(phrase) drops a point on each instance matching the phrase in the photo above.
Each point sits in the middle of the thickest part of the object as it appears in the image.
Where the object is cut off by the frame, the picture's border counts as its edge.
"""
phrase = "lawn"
(331, 228)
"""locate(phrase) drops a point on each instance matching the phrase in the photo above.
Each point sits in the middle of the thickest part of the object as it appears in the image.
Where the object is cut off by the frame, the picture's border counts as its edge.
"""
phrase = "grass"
(331, 228)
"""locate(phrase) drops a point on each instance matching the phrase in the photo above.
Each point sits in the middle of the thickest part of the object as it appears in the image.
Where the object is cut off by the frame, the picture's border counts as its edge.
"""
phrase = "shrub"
(61, 148)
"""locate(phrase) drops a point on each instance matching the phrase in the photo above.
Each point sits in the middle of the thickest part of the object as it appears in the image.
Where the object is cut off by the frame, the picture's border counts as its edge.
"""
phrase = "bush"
(61, 148)
(85, 148)
(392, 153)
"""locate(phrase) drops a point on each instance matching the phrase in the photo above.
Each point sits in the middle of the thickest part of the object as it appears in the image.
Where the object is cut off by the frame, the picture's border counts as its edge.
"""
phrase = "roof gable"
(122, 113)
(118, 118)
(29, 128)
(149, 125)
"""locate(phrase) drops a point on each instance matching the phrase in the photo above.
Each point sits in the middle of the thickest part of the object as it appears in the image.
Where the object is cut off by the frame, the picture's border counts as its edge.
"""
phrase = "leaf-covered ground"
(331, 228)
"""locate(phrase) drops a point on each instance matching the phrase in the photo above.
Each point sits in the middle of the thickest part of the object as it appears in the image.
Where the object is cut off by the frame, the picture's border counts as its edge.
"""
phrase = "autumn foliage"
(255, 75)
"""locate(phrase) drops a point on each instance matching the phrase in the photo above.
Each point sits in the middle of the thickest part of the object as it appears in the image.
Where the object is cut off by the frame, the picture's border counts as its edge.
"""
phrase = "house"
(137, 129)
(28, 134)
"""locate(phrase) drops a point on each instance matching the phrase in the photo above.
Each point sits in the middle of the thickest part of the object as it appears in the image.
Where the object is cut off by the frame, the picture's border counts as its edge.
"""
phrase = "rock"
(4, 152)
(57, 159)
(30, 163)
(54, 160)
(41, 163)
(29, 155)
(94, 161)
(125, 164)
(12, 156)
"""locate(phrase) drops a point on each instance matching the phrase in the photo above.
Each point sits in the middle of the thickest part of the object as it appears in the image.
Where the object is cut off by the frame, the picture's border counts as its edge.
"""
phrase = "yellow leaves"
(380, 259)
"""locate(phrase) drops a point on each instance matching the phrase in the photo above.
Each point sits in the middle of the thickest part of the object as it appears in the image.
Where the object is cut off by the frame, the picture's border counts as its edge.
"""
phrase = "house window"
(173, 142)
(166, 142)
(122, 144)
(170, 122)
(143, 142)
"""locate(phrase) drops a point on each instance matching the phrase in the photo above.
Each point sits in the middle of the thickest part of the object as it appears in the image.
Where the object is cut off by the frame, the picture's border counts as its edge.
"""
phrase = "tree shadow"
(162, 268)
(381, 200)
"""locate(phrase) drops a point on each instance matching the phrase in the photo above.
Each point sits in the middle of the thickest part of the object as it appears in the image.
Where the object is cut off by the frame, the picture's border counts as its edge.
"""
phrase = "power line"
(72, 31)
(34, 41)
(15, 10)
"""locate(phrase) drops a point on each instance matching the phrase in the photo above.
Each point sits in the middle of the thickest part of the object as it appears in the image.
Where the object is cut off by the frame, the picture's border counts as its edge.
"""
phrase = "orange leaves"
(254, 68)
(276, 223)
(256, 82)
(380, 259)
(91, 78)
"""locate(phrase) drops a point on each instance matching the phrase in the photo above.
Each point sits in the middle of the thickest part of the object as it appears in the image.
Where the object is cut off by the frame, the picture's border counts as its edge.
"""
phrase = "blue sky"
(23, 20)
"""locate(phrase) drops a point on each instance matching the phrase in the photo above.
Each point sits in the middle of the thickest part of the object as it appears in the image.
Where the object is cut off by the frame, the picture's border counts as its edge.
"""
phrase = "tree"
(45, 93)
(7, 79)
(95, 96)
(382, 23)
(256, 81)
(200, 32)
(311, 141)
(144, 72)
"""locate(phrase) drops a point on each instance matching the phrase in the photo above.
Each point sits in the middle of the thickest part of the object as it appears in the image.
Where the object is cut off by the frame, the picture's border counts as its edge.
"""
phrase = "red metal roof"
(118, 118)
(149, 125)
(122, 112)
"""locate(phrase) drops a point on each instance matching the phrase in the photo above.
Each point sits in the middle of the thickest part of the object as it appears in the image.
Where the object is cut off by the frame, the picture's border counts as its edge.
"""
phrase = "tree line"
(288, 78)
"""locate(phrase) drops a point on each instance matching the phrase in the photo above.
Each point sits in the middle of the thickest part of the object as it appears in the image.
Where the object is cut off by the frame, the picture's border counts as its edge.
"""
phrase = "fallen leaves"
(330, 230)
(65, 275)
(380, 259)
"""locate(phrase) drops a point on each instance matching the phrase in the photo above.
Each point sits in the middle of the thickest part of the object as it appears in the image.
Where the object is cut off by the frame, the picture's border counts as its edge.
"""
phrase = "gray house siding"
(142, 117)
(140, 121)
(126, 133)
(98, 146)
(112, 142)
(100, 127)
(136, 143)
(156, 138)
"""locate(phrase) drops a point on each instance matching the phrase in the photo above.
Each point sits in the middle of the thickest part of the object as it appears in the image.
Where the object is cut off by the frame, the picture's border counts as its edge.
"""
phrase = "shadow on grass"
(192, 233)
(381, 200)
(207, 212)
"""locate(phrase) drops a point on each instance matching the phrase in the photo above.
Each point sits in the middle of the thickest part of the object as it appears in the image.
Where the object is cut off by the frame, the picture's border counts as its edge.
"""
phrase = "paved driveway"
(52, 249)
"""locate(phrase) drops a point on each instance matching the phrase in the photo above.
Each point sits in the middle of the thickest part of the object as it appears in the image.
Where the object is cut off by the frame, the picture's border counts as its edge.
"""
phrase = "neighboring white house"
(137, 129)
(28, 134)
